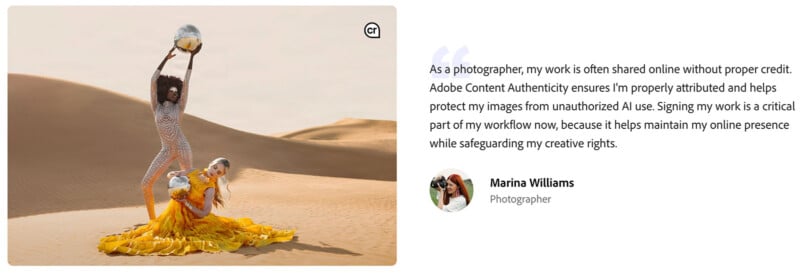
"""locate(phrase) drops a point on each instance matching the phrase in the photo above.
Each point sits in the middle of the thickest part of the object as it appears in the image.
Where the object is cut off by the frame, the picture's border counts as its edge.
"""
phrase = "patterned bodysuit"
(174, 144)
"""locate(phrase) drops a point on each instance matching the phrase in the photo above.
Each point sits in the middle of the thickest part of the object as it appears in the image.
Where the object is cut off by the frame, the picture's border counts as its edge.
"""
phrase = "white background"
(662, 202)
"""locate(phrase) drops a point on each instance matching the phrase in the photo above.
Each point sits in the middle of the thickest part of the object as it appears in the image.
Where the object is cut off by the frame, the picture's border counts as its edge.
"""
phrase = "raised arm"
(185, 91)
(209, 200)
(154, 79)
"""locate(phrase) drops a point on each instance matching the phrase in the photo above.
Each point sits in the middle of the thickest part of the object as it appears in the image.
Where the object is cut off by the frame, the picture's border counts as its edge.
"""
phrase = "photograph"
(179, 135)
(451, 190)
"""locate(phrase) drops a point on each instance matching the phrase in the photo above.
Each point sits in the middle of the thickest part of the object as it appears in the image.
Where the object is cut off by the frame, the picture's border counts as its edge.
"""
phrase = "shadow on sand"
(295, 245)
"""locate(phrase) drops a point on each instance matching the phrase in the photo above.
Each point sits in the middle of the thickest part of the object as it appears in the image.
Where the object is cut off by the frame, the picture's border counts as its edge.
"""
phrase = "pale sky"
(264, 70)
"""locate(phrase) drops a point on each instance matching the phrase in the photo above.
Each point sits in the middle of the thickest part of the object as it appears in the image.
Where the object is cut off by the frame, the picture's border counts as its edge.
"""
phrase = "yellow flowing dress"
(177, 231)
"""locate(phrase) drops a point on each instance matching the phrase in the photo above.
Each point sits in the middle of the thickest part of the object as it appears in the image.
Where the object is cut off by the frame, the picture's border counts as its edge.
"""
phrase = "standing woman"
(168, 95)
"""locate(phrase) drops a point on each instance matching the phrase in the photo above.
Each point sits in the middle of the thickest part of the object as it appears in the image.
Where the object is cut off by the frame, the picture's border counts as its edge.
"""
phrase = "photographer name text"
(545, 182)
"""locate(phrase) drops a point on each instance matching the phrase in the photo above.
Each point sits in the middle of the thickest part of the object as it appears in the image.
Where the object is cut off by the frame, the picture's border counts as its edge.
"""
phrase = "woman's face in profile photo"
(451, 187)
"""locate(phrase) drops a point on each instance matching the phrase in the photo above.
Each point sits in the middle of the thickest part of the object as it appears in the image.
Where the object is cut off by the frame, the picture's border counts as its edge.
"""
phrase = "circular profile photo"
(451, 190)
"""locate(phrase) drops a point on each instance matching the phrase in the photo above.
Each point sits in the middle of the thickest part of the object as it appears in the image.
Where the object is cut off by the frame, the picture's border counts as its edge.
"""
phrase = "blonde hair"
(222, 183)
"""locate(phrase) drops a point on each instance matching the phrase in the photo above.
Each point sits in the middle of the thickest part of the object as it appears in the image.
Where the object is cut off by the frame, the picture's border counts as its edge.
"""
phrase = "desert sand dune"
(374, 134)
(77, 154)
(339, 221)
(65, 138)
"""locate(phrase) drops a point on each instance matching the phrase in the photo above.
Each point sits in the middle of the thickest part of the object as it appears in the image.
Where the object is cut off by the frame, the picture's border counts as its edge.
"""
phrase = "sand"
(77, 154)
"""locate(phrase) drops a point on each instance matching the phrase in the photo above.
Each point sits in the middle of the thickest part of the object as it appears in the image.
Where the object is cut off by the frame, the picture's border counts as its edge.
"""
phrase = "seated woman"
(187, 224)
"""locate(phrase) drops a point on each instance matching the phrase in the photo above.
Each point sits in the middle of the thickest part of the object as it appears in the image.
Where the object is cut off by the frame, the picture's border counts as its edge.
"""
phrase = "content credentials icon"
(372, 30)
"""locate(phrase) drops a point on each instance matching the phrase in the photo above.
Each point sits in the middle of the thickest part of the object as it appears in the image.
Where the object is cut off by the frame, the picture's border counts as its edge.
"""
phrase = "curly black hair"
(164, 83)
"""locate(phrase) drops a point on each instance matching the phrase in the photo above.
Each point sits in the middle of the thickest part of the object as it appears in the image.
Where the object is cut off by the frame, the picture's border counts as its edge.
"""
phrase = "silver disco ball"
(187, 38)
(179, 187)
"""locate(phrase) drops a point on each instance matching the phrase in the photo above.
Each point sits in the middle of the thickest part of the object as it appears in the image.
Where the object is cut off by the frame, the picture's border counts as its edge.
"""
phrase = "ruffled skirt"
(178, 232)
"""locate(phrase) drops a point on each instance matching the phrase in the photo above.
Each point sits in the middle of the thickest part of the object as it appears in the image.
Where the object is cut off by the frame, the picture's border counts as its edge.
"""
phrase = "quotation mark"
(457, 59)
